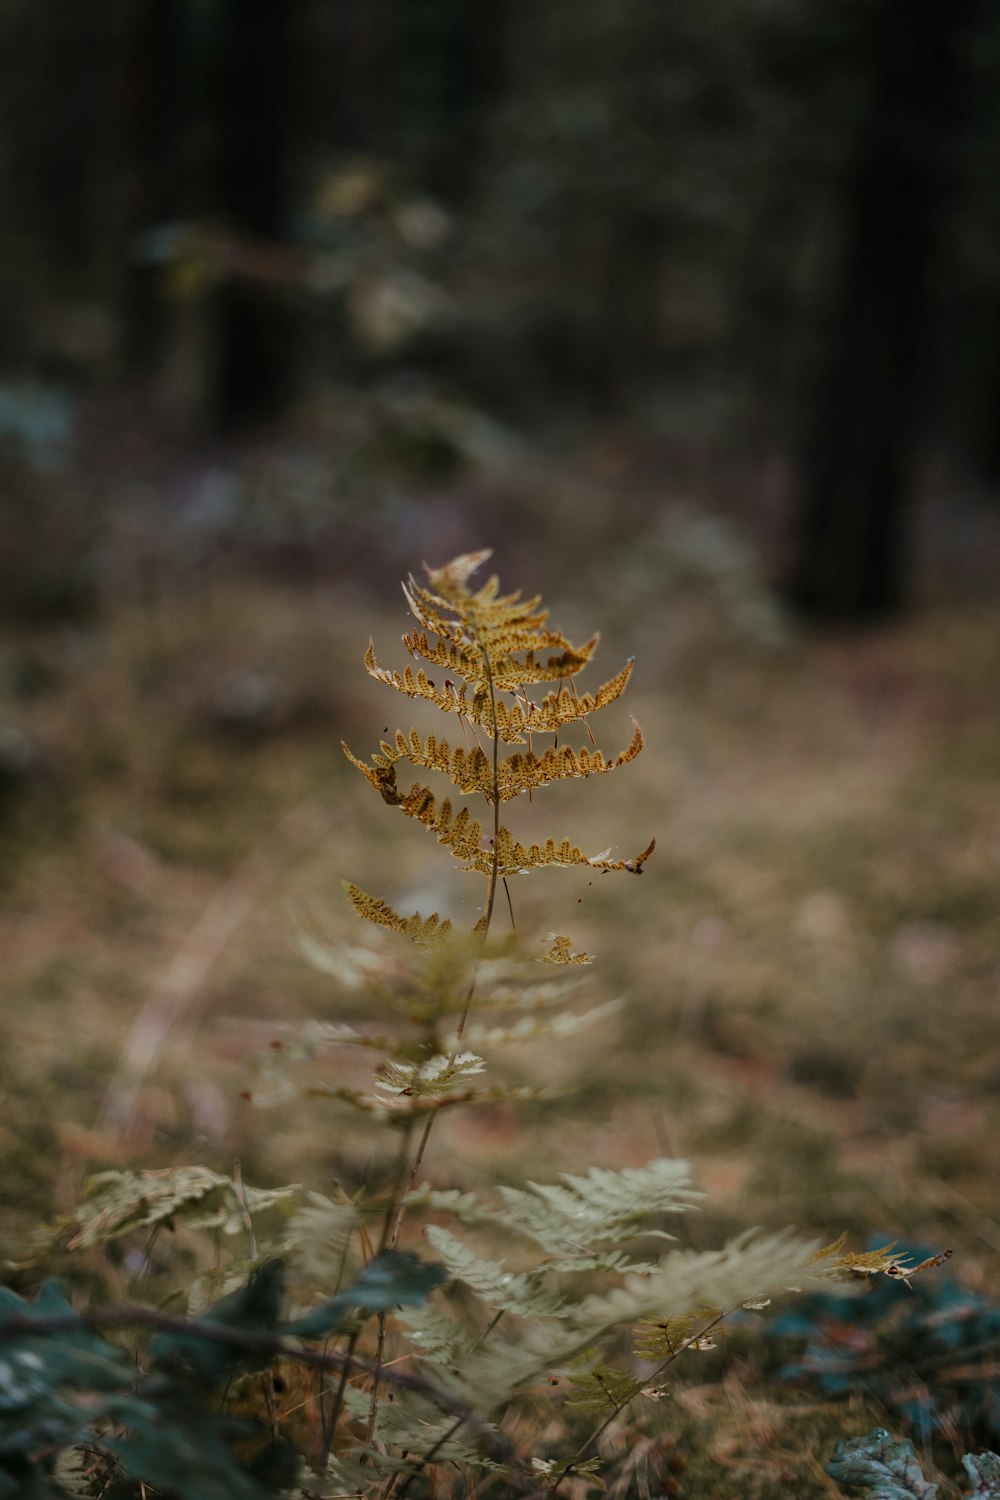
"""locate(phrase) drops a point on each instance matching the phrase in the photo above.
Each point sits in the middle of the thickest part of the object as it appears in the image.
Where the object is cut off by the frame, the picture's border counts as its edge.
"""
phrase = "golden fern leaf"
(522, 773)
(426, 932)
(462, 660)
(459, 832)
(516, 859)
(514, 724)
(565, 706)
(560, 953)
(883, 1262)
(468, 770)
(494, 647)
(509, 673)
(417, 684)
(452, 577)
(461, 615)
(382, 778)
(483, 611)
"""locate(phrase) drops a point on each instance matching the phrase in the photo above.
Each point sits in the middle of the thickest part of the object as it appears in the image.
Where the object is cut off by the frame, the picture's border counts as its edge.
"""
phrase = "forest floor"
(809, 963)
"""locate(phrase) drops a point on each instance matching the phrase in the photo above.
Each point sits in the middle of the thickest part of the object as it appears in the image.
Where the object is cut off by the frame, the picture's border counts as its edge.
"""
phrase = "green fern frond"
(656, 1342)
(410, 1426)
(346, 1474)
(748, 1268)
(467, 1209)
(502, 1290)
(403, 1109)
(464, 1208)
(319, 1233)
(437, 1334)
(531, 998)
(604, 1207)
(533, 1028)
(603, 1389)
(586, 1471)
(434, 1078)
(599, 1258)
(121, 1202)
(581, 1221)
(318, 1037)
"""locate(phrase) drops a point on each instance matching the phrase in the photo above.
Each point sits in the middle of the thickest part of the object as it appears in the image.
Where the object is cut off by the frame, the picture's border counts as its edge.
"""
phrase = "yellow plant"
(494, 649)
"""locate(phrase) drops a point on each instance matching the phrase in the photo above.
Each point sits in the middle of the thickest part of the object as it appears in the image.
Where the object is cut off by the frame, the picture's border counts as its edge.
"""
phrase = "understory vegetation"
(409, 1315)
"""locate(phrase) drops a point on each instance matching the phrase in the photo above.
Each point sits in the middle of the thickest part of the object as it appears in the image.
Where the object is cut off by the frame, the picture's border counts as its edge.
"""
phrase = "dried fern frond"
(524, 772)
(426, 932)
(511, 723)
(561, 953)
(514, 859)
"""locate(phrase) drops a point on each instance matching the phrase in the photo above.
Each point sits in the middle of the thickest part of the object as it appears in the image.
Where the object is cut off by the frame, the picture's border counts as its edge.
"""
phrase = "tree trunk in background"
(850, 559)
(255, 83)
(150, 39)
(450, 66)
(628, 331)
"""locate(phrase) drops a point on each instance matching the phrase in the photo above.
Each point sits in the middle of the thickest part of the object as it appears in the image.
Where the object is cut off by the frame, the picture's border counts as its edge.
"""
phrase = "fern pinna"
(494, 649)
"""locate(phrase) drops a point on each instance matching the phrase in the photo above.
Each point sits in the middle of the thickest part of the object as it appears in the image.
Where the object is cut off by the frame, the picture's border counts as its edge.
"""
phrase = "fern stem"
(467, 1007)
(491, 891)
(373, 1404)
(414, 1169)
(331, 1418)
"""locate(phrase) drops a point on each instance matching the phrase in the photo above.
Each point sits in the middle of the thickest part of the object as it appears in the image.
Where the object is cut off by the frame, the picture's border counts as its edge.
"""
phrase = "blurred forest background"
(753, 245)
(691, 308)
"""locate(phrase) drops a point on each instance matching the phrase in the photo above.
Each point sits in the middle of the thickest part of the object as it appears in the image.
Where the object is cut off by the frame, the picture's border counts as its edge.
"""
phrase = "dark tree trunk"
(450, 68)
(255, 82)
(151, 110)
(850, 559)
(628, 332)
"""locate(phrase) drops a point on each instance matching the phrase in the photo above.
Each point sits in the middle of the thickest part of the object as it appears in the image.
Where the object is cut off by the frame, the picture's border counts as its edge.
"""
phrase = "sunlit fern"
(494, 649)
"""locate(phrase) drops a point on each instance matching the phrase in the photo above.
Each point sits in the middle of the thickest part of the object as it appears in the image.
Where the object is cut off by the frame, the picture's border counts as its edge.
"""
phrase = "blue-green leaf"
(253, 1309)
(879, 1464)
(984, 1471)
(392, 1279)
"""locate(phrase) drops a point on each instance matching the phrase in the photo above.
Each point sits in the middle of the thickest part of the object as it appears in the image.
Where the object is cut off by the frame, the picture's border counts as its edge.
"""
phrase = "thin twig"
(241, 1198)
